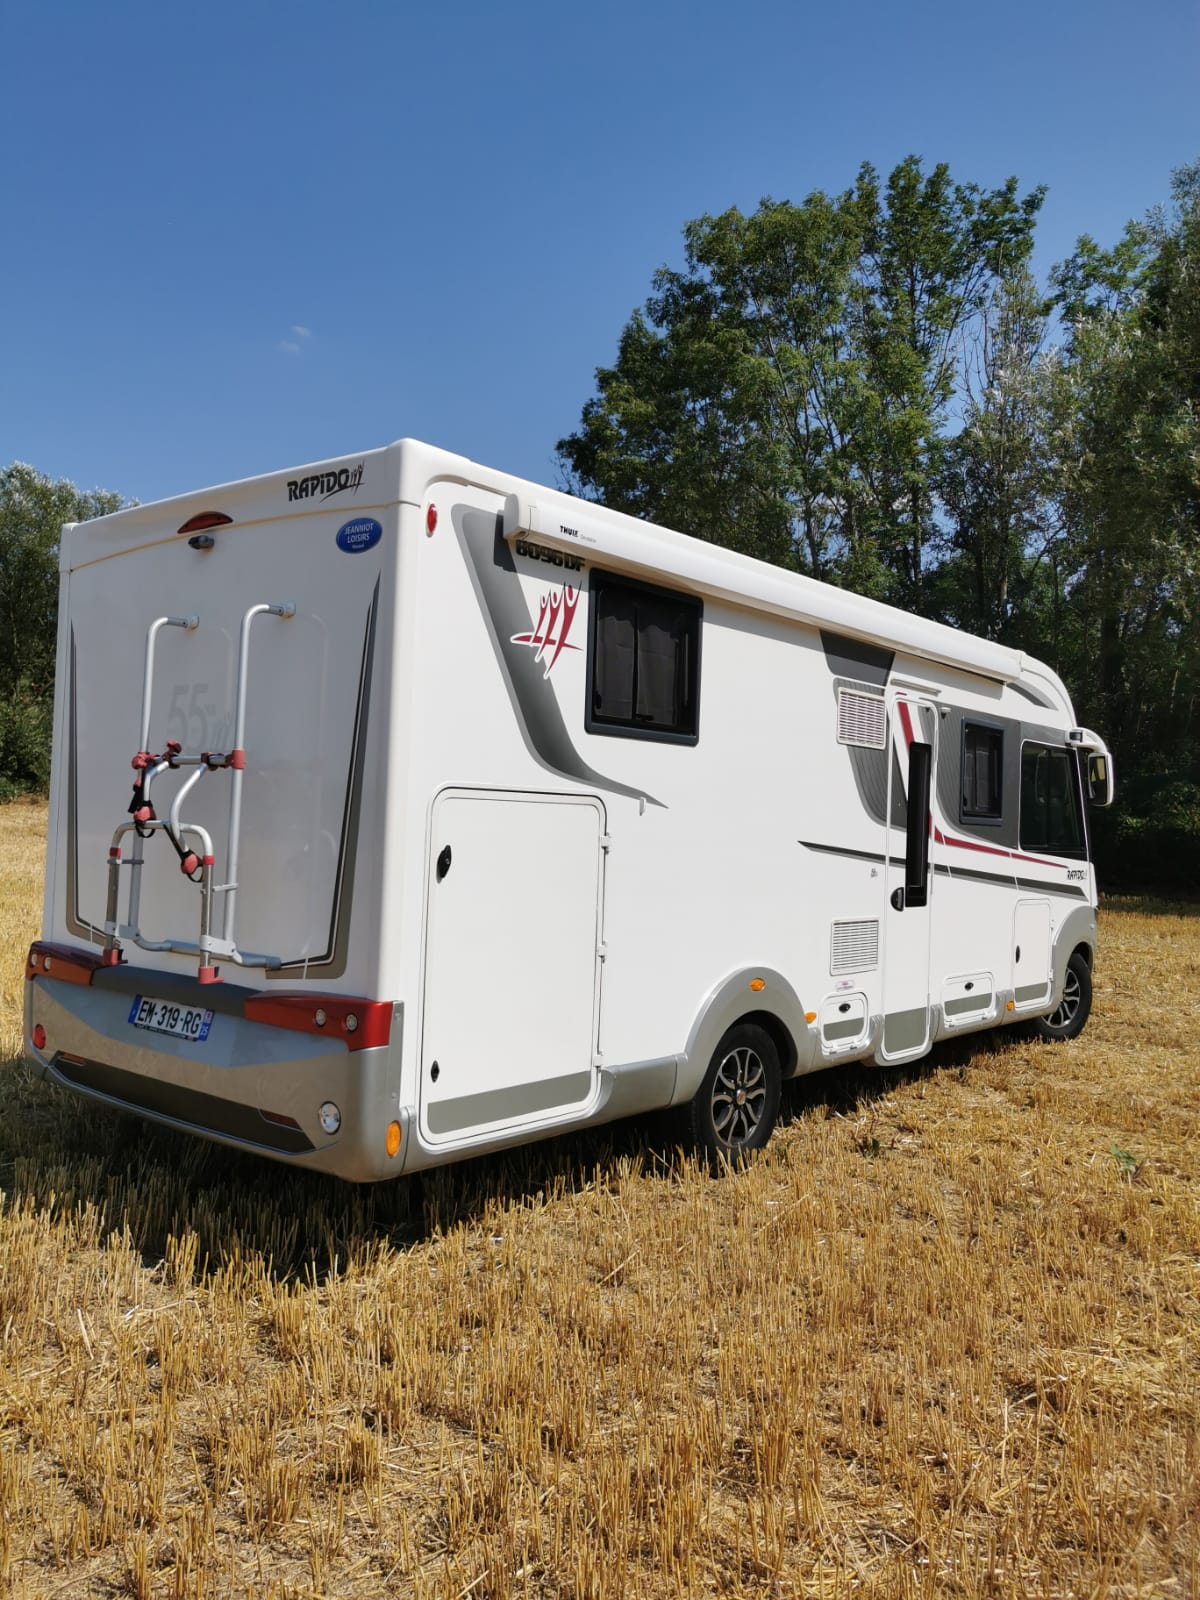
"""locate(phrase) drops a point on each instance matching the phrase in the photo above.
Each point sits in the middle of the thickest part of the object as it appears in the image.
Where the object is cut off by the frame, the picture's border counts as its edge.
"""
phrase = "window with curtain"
(645, 660)
(982, 773)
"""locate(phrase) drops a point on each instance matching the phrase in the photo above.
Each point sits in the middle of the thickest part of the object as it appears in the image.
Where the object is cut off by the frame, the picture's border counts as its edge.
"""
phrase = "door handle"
(443, 862)
(897, 899)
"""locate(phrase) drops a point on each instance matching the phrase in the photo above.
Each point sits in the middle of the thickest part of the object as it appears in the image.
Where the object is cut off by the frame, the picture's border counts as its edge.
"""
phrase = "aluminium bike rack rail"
(198, 866)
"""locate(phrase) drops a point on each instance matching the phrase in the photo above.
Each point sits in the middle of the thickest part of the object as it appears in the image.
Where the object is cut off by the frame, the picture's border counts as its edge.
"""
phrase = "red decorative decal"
(990, 850)
(556, 613)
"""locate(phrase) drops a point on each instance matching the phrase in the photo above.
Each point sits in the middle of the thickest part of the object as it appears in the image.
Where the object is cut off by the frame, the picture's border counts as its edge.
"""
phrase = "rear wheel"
(736, 1106)
(1073, 1009)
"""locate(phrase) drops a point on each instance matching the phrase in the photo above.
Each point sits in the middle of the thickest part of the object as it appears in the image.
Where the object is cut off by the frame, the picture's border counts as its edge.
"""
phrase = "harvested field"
(942, 1340)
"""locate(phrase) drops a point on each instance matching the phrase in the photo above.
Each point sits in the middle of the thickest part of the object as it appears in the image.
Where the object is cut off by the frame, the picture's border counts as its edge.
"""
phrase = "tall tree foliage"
(787, 391)
(33, 509)
(996, 570)
(935, 253)
(1128, 412)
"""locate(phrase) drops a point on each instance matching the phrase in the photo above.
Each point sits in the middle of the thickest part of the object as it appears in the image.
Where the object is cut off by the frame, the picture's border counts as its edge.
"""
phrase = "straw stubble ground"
(941, 1340)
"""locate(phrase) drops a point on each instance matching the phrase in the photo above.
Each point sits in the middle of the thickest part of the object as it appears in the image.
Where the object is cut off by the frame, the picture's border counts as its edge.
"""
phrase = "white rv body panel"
(304, 679)
(511, 914)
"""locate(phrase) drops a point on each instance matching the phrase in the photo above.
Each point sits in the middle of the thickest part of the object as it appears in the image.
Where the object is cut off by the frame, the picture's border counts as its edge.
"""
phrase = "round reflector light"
(431, 519)
(393, 1138)
(331, 1117)
(39, 1036)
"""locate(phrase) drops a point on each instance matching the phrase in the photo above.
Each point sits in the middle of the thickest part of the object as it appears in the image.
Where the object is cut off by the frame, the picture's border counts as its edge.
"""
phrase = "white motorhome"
(465, 812)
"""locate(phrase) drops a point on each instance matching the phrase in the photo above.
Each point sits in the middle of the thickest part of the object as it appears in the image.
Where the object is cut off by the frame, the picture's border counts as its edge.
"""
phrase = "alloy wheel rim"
(739, 1097)
(1069, 1005)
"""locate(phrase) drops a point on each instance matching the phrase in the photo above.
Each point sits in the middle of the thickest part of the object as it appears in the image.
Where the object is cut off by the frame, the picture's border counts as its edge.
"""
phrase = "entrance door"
(512, 962)
(912, 757)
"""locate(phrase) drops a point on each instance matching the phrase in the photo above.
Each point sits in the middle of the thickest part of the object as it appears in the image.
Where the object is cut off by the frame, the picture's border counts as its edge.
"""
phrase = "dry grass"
(941, 1341)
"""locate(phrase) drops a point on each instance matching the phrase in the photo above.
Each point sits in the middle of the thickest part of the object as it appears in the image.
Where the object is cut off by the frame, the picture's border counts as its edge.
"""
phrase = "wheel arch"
(774, 1006)
(1076, 933)
(780, 1037)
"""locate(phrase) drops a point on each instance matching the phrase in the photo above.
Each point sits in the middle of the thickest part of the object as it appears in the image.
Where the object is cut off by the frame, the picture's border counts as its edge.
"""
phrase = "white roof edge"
(146, 510)
(711, 569)
(568, 523)
(708, 568)
(1048, 679)
(731, 575)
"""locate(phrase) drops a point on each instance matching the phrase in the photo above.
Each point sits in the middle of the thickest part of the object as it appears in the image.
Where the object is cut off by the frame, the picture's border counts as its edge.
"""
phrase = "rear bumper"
(250, 1084)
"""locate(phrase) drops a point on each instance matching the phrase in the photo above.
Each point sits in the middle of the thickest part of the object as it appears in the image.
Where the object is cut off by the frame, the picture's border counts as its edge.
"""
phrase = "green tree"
(785, 393)
(934, 255)
(1128, 411)
(727, 413)
(998, 573)
(33, 509)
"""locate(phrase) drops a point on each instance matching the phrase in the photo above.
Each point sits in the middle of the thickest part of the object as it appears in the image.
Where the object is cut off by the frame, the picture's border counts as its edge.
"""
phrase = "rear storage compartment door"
(512, 962)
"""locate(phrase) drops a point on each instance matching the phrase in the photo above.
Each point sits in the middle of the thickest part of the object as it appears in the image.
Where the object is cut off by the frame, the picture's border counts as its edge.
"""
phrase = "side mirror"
(1099, 778)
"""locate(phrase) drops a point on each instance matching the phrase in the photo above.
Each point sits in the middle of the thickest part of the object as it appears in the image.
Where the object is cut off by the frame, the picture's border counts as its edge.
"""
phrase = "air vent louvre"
(854, 947)
(861, 719)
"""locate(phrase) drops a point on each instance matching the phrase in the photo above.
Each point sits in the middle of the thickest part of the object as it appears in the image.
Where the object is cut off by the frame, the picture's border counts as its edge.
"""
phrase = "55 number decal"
(192, 718)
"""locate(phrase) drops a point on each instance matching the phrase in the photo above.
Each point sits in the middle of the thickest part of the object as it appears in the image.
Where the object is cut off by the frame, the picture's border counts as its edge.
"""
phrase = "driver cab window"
(1051, 819)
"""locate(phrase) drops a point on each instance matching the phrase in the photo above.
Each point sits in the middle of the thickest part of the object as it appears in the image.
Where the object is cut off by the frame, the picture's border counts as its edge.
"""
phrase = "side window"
(982, 772)
(644, 672)
(1050, 810)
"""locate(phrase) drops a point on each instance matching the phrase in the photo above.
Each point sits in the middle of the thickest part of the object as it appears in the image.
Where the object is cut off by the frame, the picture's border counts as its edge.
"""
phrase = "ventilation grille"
(861, 719)
(854, 947)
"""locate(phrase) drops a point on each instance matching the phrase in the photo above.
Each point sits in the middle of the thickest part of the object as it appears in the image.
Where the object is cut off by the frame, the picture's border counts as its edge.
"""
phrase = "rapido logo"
(324, 485)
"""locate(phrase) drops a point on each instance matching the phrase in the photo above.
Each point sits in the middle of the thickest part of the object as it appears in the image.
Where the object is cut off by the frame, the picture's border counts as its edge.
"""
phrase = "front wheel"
(1074, 1007)
(735, 1107)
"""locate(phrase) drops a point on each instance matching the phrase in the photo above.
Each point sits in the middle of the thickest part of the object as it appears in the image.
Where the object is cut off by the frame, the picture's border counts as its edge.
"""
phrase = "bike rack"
(197, 867)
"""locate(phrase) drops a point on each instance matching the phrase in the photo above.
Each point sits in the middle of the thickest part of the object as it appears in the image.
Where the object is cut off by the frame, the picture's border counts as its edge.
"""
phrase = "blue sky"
(242, 237)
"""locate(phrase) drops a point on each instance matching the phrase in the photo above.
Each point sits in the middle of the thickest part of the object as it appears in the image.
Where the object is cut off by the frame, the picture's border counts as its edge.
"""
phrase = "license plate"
(167, 1016)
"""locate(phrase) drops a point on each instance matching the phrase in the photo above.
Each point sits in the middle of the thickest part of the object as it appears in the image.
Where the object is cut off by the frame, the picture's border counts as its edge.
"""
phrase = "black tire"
(736, 1106)
(1074, 1008)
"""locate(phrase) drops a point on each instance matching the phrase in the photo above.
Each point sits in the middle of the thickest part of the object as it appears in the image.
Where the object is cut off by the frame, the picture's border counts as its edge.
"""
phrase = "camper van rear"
(402, 809)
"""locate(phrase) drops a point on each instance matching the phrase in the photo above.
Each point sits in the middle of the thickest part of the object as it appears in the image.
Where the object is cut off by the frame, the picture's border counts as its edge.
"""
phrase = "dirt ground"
(941, 1340)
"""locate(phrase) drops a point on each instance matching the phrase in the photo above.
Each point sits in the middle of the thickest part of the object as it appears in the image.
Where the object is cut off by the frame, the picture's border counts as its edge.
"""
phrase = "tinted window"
(982, 772)
(645, 669)
(1050, 812)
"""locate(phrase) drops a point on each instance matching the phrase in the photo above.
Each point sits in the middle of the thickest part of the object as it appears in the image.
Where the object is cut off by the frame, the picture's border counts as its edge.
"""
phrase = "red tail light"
(64, 961)
(359, 1024)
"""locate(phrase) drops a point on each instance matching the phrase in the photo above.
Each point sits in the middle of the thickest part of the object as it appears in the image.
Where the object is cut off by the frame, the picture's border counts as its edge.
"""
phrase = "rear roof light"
(359, 1024)
(205, 519)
